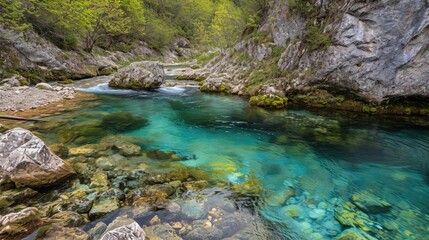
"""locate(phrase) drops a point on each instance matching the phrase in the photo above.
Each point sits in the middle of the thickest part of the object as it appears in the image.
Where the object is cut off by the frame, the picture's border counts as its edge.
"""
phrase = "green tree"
(227, 24)
(12, 15)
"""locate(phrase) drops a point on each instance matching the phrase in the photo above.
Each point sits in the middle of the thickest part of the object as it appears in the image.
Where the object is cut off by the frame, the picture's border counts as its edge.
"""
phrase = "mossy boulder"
(270, 102)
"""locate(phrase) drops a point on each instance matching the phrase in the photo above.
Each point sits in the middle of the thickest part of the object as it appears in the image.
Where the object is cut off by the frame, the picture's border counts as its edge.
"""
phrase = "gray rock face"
(124, 229)
(14, 81)
(379, 50)
(139, 75)
(27, 161)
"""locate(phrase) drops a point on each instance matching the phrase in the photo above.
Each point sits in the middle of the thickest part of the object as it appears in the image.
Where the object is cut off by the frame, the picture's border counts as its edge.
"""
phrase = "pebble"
(155, 220)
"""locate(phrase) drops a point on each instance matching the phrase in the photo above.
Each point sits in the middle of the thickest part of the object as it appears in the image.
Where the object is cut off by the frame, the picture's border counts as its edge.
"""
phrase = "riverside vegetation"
(143, 148)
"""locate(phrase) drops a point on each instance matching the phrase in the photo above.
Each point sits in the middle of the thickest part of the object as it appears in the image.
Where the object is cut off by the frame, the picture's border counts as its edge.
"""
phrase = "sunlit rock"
(139, 75)
(370, 203)
(124, 229)
(27, 161)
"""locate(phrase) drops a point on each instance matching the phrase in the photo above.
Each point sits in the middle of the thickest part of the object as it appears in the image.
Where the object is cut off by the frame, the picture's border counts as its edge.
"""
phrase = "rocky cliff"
(37, 59)
(374, 50)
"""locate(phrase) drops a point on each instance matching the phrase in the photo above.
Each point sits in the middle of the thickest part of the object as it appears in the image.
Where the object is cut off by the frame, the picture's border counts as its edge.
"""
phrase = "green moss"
(66, 81)
(304, 8)
(24, 82)
(268, 102)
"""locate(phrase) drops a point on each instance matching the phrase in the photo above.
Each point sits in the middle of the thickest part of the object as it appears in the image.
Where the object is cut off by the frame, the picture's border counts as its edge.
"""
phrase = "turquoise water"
(307, 163)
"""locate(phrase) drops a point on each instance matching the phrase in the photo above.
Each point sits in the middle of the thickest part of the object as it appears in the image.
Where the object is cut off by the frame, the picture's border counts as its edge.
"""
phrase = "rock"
(78, 205)
(128, 149)
(195, 185)
(348, 215)
(317, 214)
(173, 211)
(354, 234)
(124, 229)
(370, 203)
(15, 196)
(27, 161)
(97, 230)
(90, 150)
(161, 155)
(175, 175)
(160, 232)
(99, 180)
(23, 217)
(102, 206)
(194, 209)
(59, 232)
(44, 86)
(205, 233)
(14, 81)
(265, 101)
(122, 122)
(60, 150)
(114, 192)
(70, 219)
(19, 223)
(294, 211)
(155, 220)
(139, 75)
(229, 225)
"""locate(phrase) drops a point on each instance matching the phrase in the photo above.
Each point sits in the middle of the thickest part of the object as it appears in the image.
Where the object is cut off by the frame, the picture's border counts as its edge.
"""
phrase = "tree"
(227, 24)
(12, 15)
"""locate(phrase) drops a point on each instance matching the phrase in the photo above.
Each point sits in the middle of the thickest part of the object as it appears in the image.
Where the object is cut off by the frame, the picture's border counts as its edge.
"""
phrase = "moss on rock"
(271, 102)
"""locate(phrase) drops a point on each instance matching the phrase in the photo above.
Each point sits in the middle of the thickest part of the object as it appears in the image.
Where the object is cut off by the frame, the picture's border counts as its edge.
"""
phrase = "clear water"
(322, 158)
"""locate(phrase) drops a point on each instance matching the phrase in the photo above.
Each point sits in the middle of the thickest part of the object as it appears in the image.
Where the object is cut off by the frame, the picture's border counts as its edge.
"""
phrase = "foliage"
(117, 24)
(302, 7)
(12, 14)
(316, 39)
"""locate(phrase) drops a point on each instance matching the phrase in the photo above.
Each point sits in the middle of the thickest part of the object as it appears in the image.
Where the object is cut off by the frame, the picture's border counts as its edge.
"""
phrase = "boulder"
(27, 161)
(139, 75)
(14, 81)
(44, 86)
(124, 229)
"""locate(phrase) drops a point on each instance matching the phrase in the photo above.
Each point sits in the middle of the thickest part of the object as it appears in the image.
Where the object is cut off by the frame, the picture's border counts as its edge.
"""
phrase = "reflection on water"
(282, 175)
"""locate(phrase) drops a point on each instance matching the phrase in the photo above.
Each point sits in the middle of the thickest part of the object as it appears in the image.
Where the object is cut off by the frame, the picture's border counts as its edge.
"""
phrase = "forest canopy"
(116, 24)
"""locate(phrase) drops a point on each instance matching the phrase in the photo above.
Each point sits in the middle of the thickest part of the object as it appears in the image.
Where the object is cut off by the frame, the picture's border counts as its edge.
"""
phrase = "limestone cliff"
(372, 49)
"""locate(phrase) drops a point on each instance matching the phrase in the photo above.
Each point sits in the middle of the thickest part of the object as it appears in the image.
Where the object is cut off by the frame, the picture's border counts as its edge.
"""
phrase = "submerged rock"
(122, 122)
(161, 231)
(161, 155)
(349, 215)
(70, 219)
(128, 149)
(27, 161)
(102, 206)
(59, 232)
(139, 75)
(124, 229)
(354, 234)
(370, 203)
(205, 233)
